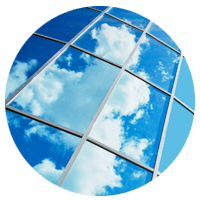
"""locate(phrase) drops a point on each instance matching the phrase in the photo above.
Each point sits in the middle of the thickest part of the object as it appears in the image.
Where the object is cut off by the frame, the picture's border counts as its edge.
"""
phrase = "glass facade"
(94, 95)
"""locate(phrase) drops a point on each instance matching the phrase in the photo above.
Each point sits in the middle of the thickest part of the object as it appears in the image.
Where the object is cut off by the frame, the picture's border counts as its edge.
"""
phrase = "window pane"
(185, 87)
(101, 173)
(178, 130)
(110, 39)
(66, 26)
(34, 53)
(102, 8)
(69, 91)
(162, 35)
(46, 149)
(132, 120)
(156, 61)
(130, 17)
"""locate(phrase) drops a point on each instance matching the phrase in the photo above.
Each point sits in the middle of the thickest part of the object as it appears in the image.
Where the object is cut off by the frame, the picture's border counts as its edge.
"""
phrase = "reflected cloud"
(57, 137)
(48, 170)
(18, 75)
(93, 171)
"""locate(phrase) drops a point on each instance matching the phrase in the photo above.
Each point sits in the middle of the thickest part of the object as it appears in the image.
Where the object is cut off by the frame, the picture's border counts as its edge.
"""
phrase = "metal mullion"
(162, 140)
(96, 56)
(148, 82)
(49, 38)
(118, 19)
(162, 42)
(85, 136)
(184, 105)
(121, 155)
(44, 121)
(35, 75)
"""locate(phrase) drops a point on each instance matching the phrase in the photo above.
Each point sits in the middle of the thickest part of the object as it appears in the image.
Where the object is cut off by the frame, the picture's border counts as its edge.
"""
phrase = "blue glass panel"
(34, 53)
(70, 90)
(130, 17)
(66, 26)
(178, 130)
(156, 61)
(132, 120)
(185, 87)
(102, 8)
(110, 39)
(101, 173)
(46, 149)
(162, 35)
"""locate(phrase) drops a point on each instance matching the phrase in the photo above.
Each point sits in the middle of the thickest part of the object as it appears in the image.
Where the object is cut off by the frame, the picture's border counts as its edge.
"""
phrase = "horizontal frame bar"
(148, 82)
(184, 105)
(44, 121)
(121, 20)
(163, 43)
(121, 155)
(49, 38)
(94, 9)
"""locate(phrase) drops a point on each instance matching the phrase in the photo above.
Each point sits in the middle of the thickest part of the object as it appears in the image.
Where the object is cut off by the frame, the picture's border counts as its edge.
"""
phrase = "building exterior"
(96, 101)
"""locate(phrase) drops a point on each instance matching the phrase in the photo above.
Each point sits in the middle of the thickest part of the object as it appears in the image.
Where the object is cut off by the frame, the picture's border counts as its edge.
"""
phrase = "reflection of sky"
(110, 39)
(98, 172)
(69, 91)
(132, 120)
(66, 26)
(35, 52)
(178, 129)
(157, 61)
(130, 17)
(185, 87)
(162, 35)
(46, 149)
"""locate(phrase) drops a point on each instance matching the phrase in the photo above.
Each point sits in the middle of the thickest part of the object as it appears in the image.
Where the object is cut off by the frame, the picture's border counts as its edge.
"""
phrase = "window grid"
(85, 136)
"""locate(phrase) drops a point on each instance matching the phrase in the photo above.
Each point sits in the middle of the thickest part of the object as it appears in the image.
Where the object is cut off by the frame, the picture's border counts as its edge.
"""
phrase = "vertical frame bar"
(162, 140)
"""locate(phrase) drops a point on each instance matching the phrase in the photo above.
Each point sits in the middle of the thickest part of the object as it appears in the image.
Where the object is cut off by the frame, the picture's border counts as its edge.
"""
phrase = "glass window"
(162, 35)
(130, 17)
(110, 39)
(69, 91)
(102, 8)
(34, 53)
(132, 120)
(156, 61)
(66, 26)
(178, 130)
(185, 87)
(46, 149)
(98, 172)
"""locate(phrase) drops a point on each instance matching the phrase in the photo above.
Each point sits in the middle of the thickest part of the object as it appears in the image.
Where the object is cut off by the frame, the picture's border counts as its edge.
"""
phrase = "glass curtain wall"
(98, 102)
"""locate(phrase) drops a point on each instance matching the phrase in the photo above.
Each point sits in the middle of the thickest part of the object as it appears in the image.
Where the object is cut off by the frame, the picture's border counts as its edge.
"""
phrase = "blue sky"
(70, 91)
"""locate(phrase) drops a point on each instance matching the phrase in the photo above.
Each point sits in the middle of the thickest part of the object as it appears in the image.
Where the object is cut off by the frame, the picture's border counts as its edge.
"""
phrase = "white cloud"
(57, 137)
(18, 75)
(134, 147)
(127, 98)
(93, 171)
(48, 170)
(116, 44)
(165, 74)
(86, 57)
(138, 174)
(137, 116)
